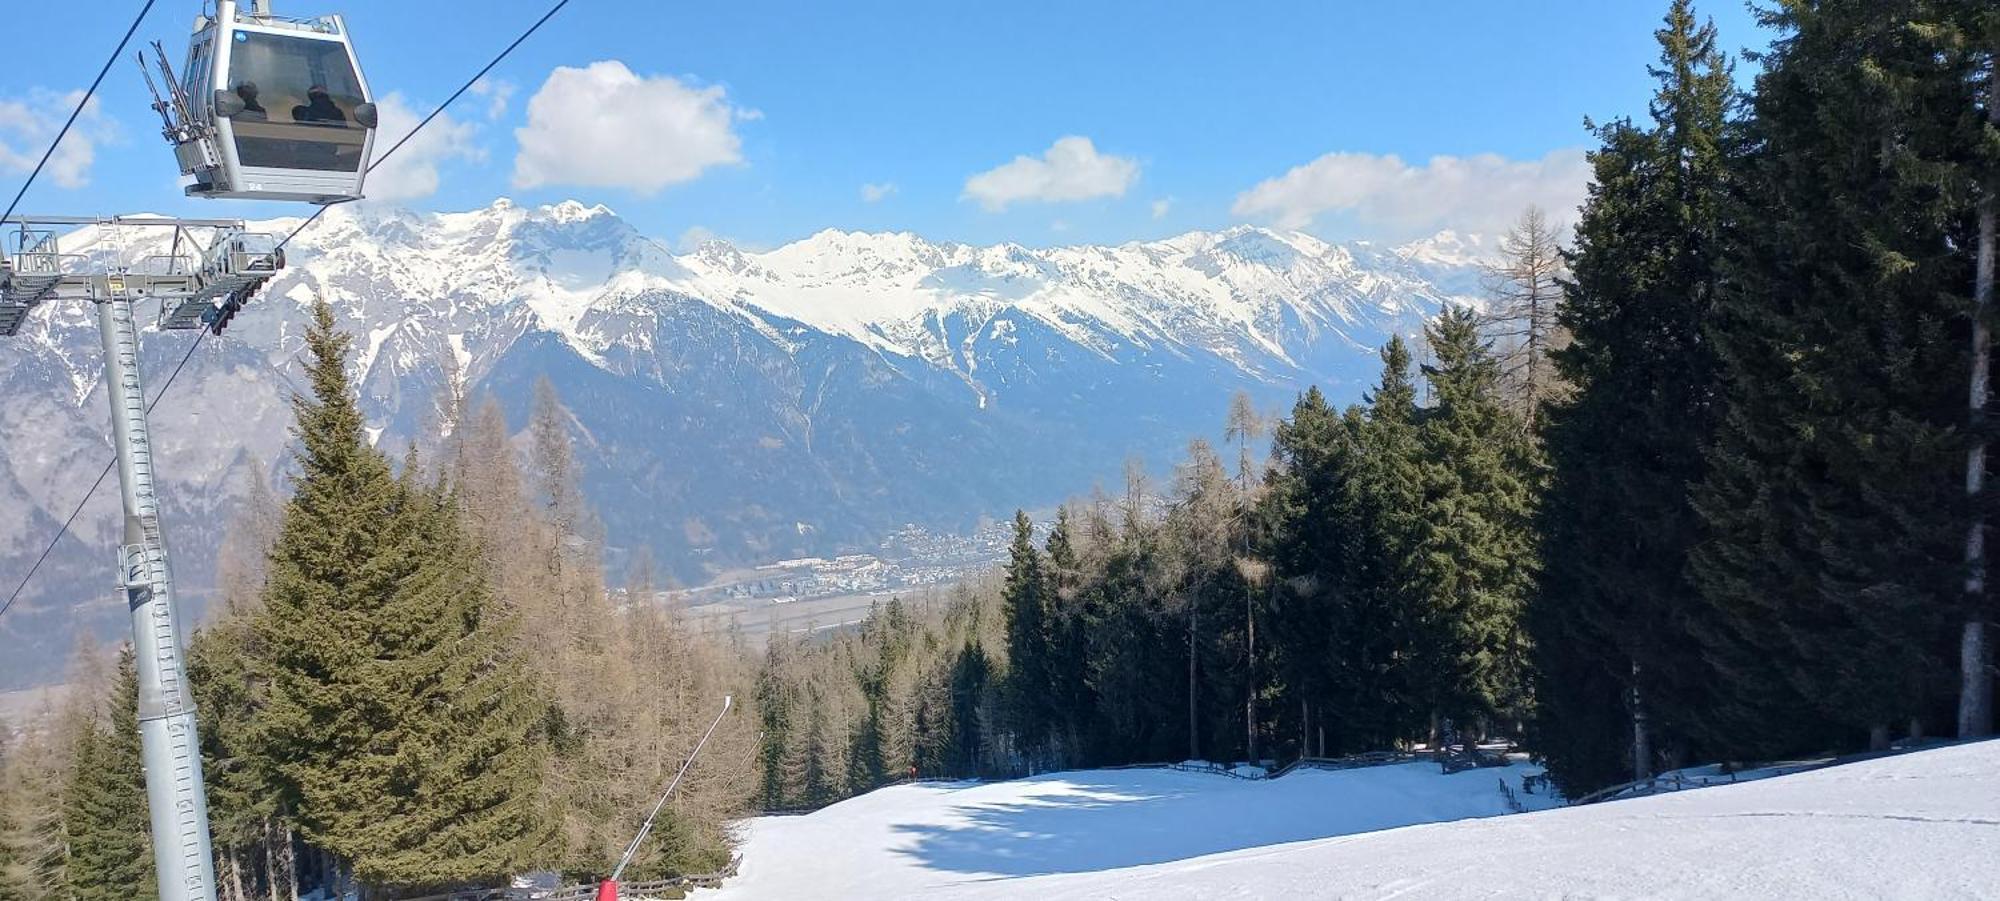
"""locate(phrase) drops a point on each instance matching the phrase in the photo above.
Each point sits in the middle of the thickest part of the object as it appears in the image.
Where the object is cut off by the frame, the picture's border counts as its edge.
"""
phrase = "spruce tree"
(1025, 604)
(1312, 542)
(1386, 497)
(398, 724)
(1138, 650)
(463, 781)
(818, 783)
(970, 673)
(1073, 611)
(776, 710)
(1611, 620)
(105, 821)
(241, 791)
(1477, 561)
(1834, 491)
(328, 583)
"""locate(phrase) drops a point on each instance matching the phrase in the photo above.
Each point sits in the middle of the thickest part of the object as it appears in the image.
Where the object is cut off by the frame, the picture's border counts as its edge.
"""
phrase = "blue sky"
(1038, 122)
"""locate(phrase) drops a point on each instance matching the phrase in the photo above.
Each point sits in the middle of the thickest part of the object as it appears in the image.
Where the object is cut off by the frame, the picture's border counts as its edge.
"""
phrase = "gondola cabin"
(281, 105)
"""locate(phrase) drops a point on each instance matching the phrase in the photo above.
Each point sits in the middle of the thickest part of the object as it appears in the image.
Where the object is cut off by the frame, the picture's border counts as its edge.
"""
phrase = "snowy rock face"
(730, 406)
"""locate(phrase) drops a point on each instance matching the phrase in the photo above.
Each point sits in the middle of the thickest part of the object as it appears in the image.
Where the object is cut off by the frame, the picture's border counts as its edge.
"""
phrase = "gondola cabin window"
(299, 99)
(200, 55)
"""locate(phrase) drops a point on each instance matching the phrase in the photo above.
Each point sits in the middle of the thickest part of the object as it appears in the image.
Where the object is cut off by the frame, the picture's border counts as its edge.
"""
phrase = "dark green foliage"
(242, 796)
(866, 769)
(1138, 656)
(1026, 605)
(400, 730)
(1074, 612)
(1383, 613)
(909, 693)
(465, 775)
(818, 787)
(1386, 500)
(104, 818)
(1581, 730)
(1834, 497)
(777, 703)
(1625, 446)
(945, 727)
(971, 682)
(1314, 543)
(1477, 562)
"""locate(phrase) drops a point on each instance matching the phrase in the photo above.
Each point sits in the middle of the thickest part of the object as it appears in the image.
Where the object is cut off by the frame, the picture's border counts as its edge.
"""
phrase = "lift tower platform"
(199, 285)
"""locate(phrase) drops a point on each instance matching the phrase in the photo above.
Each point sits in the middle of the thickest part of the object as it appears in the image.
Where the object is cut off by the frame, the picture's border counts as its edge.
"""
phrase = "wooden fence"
(586, 891)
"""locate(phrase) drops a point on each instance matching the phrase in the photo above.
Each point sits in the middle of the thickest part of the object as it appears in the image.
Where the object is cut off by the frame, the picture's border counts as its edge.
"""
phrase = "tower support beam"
(177, 801)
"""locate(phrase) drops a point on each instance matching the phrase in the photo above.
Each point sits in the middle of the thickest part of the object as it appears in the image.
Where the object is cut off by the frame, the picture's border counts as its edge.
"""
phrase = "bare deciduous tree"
(1525, 287)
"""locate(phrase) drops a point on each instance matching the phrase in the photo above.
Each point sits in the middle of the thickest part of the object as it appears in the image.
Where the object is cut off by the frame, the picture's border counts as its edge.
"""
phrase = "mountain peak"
(1449, 248)
(1252, 242)
(570, 211)
(883, 369)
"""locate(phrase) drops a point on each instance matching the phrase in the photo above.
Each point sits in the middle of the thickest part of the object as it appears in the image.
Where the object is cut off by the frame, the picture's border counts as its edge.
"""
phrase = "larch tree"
(1525, 287)
(1245, 426)
(33, 776)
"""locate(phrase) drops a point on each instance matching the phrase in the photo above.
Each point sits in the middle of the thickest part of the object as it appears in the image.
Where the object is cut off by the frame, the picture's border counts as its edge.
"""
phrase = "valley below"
(732, 409)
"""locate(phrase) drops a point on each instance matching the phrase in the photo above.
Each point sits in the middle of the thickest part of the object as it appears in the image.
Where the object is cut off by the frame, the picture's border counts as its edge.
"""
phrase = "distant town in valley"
(810, 594)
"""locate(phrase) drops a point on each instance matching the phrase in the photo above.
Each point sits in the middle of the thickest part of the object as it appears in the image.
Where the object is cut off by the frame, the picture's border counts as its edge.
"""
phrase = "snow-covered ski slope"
(1921, 825)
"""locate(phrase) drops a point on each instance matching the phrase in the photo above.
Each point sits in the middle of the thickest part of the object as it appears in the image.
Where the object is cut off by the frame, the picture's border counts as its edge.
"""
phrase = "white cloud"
(871, 192)
(1071, 169)
(694, 237)
(1479, 194)
(1161, 206)
(498, 93)
(28, 125)
(603, 126)
(413, 172)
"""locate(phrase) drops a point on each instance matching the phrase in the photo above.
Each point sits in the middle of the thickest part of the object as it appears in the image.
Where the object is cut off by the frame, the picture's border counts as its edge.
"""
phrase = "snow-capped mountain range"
(730, 406)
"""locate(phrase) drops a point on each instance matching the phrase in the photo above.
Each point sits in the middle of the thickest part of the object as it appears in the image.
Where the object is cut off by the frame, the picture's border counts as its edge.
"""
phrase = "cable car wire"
(439, 111)
(73, 114)
(71, 520)
(205, 331)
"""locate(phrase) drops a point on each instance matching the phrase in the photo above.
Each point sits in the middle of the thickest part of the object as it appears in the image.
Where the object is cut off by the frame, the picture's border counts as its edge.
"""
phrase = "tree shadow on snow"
(1090, 821)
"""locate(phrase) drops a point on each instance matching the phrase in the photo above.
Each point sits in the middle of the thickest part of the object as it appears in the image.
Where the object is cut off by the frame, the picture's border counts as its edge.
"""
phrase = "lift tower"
(197, 289)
